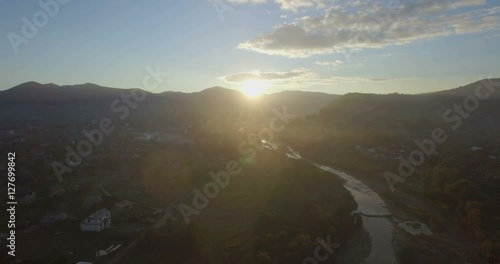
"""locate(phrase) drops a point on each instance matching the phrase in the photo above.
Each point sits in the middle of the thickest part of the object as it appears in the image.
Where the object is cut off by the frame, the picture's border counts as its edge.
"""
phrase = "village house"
(97, 221)
(476, 148)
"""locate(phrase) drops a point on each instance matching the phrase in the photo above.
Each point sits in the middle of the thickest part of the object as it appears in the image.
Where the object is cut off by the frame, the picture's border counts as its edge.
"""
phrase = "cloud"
(372, 25)
(265, 76)
(426, 5)
(245, 1)
(388, 54)
(334, 63)
(288, 5)
(295, 5)
(299, 78)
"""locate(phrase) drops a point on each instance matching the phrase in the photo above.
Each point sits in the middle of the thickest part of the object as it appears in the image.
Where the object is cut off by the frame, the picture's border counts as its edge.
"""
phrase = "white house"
(97, 221)
(475, 148)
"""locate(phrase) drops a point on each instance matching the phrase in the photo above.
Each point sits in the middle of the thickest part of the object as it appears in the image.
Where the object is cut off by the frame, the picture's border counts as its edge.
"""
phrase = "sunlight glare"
(254, 88)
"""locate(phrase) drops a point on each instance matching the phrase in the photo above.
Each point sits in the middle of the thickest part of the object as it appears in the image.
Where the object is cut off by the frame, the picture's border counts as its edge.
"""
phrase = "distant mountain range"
(213, 109)
(37, 96)
(460, 111)
(33, 92)
(35, 100)
(470, 89)
(304, 102)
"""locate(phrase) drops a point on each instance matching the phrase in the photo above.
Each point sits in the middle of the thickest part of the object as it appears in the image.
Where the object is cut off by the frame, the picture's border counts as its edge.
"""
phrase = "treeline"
(175, 242)
(473, 205)
(306, 204)
(464, 184)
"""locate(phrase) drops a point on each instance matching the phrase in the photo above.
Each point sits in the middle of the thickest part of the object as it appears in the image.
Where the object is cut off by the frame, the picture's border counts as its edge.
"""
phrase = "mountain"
(363, 112)
(470, 89)
(299, 102)
(210, 100)
(215, 110)
(379, 118)
(33, 92)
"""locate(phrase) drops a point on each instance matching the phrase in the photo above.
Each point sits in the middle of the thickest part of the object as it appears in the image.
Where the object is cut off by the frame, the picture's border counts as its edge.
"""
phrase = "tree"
(441, 175)
(264, 258)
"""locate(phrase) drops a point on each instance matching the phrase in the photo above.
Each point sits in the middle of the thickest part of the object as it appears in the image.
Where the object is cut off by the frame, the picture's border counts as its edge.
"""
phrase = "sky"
(332, 46)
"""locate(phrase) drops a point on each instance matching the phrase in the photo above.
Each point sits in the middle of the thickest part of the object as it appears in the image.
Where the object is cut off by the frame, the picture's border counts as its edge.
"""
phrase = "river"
(373, 211)
(377, 219)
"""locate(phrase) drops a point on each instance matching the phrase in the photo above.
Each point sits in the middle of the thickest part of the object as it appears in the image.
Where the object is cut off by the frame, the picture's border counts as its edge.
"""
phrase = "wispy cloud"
(299, 78)
(266, 76)
(367, 25)
(388, 54)
(334, 63)
(289, 5)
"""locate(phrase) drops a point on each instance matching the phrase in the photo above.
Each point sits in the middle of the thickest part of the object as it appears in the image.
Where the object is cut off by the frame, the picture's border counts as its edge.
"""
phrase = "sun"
(253, 89)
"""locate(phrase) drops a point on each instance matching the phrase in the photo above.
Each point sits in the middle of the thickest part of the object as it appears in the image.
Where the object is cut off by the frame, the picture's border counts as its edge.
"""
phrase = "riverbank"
(375, 219)
(407, 208)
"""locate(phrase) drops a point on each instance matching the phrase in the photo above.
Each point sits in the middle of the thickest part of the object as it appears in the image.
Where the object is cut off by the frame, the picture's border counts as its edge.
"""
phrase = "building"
(475, 148)
(97, 221)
